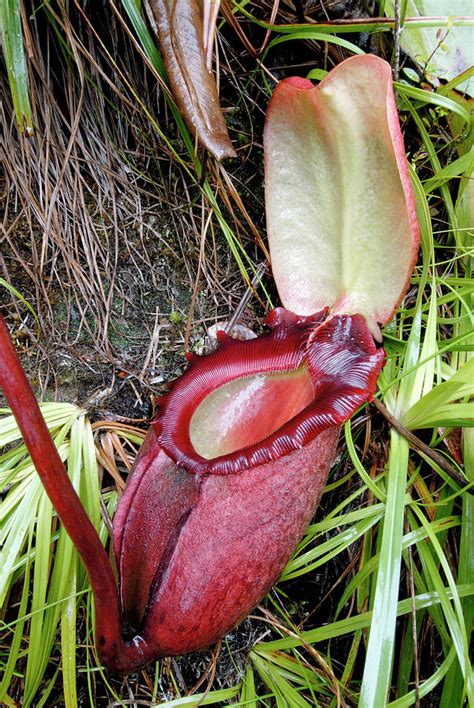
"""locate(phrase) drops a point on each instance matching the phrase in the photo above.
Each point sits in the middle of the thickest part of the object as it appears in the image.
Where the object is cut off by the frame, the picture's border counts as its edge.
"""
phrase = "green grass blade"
(363, 620)
(378, 664)
(430, 407)
(132, 9)
(453, 689)
(465, 163)
(211, 698)
(16, 532)
(427, 686)
(14, 55)
(285, 694)
(248, 695)
(435, 99)
(33, 673)
(312, 33)
(19, 296)
(453, 615)
(68, 642)
(15, 646)
(314, 558)
(366, 479)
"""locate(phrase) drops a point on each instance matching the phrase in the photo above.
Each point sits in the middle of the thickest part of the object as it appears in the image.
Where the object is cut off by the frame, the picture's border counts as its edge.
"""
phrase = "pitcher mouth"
(252, 402)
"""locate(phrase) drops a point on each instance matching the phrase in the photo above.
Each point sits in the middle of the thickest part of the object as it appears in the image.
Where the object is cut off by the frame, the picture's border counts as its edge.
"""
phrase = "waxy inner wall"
(247, 410)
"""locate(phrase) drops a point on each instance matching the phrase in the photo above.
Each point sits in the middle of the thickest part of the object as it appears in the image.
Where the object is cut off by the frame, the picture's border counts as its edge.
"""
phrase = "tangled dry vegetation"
(104, 230)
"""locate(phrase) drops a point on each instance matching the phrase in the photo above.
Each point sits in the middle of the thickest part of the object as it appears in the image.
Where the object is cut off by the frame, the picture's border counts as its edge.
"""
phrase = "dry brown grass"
(105, 231)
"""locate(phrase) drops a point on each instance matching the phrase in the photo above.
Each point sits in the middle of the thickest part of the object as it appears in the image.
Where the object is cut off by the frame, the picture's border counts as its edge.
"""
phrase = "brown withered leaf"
(180, 33)
(453, 441)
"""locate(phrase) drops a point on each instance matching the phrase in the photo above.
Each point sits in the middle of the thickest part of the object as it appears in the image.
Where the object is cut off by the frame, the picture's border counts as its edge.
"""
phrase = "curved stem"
(114, 653)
